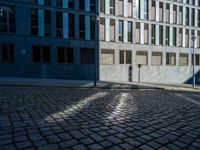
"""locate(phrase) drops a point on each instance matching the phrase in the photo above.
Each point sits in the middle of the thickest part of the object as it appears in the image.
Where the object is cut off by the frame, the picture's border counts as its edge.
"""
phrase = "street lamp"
(193, 71)
(96, 43)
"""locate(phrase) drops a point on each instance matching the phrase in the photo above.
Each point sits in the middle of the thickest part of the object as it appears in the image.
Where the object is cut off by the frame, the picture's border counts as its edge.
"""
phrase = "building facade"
(154, 33)
(58, 39)
(47, 38)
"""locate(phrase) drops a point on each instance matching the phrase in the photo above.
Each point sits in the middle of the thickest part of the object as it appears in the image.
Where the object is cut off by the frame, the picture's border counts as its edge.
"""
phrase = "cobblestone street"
(49, 118)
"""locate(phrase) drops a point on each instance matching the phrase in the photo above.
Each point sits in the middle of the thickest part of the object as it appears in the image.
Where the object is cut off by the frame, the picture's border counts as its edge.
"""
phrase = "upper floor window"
(59, 3)
(34, 21)
(7, 53)
(81, 26)
(59, 24)
(47, 21)
(47, 2)
(7, 19)
(120, 31)
(71, 4)
(82, 4)
(112, 7)
(92, 5)
(34, 1)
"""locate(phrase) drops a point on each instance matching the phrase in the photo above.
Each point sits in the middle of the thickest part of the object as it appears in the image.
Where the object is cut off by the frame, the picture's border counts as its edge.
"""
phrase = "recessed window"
(125, 57)
(41, 54)
(86, 56)
(120, 31)
(156, 59)
(183, 59)
(47, 22)
(65, 55)
(71, 25)
(7, 53)
(82, 26)
(197, 59)
(171, 59)
(82, 4)
(59, 24)
(107, 57)
(142, 57)
(34, 21)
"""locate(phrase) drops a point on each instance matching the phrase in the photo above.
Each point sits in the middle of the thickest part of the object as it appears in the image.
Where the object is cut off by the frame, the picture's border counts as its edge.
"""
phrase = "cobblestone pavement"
(58, 118)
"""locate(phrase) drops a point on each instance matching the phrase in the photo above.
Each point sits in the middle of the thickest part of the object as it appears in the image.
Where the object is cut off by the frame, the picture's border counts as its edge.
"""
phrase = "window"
(82, 4)
(180, 37)
(65, 55)
(47, 20)
(112, 30)
(156, 59)
(7, 53)
(125, 57)
(142, 57)
(160, 11)
(183, 59)
(47, 2)
(167, 36)
(130, 30)
(92, 5)
(187, 38)
(120, 31)
(71, 4)
(137, 34)
(198, 18)
(153, 10)
(41, 54)
(146, 33)
(153, 34)
(161, 35)
(197, 59)
(34, 21)
(193, 17)
(59, 24)
(87, 56)
(7, 19)
(82, 26)
(92, 27)
(34, 1)
(59, 3)
(107, 57)
(130, 8)
(171, 59)
(167, 13)
(174, 36)
(71, 25)
(102, 29)
(146, 9)
(112, 7)
(102, 6)
(121, 7)
(174, 14)
(181, 15)
(187, 16)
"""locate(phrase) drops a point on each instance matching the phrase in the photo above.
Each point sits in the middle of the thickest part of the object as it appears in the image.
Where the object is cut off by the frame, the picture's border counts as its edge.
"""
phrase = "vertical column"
(171, 13)
(157, 34)
(183, 37)
(65, 25)
(190, 16)
(164, 12)
(107, 6)
(190, 40)
(149, 9)
(141, 33)
(141, 9)
(171, 36)
(149, 35)
(149, 57)
(177, 16)
(107, 29)
(87, 5)
(116, 30)
(177, 58)
(195, 42)
(125, 31)
(41, 22)
(164, 58)
(65, 3)
(87, 27)
(157, 10)
(125, 8)
(41, 2)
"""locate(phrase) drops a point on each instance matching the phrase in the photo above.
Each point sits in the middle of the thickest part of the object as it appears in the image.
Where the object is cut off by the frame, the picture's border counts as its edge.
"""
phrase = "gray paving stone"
(79, 147)
(95, 147)
(68, 144)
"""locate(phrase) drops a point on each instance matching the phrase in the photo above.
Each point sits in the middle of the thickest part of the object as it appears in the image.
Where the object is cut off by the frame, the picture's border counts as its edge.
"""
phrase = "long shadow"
(197, 78)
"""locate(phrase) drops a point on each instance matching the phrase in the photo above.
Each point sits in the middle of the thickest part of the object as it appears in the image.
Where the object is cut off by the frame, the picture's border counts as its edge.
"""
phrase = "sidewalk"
(90, 84)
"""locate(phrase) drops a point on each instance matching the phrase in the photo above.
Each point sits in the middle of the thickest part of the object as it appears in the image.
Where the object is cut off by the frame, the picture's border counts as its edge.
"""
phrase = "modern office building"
(56, 39)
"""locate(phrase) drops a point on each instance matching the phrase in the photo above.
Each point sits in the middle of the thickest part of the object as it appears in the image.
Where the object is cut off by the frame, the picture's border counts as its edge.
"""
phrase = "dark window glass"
(92, 5)
(59, 3)
(59, 24)
(34, 21)
(7, 19)
(87, 56)
(36, 54)
(47, 2)
(41, 54)
(71, 4)
(71, 25)
(82, 26)
(65, 55)
(7, 53)
(92, 28)
(47, 18)
(82, 4)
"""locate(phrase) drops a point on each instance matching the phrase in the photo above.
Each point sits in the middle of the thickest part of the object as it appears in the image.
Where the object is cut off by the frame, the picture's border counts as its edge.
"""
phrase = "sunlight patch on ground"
(188, 99)
(70, 110)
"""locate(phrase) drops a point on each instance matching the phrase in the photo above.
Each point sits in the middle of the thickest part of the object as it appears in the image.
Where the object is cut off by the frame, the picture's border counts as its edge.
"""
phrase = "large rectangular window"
(102, 29)
(86, 56)
(41, 54)
(130, 32)
(153, 34)
(47, 21)
(7, 19)
(82, 26)
(120, 30)
(92, 5)
(183, 59)
(125, 57)
(121, 7)
(65, 55)
(187, 15)
(156, 59)
(102, 6)
(107, 57)
(34, 21)
(59, 24)
(197, 59)
(112, 7)
(82, 4)
(142, 57)
(71, 25)
(112, 30)
(146, 33)
(7, 53)
(171, 59)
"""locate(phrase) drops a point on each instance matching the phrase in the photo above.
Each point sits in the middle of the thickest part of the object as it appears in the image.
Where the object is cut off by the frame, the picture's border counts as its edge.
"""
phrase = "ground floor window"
(107, 57)
(7, 52)
(156, 58)
(87, 56)
(197, 59)
(125, 57)
(171, 59)
(142, 57)
(41, 54)
(183, 59)
(65, 55)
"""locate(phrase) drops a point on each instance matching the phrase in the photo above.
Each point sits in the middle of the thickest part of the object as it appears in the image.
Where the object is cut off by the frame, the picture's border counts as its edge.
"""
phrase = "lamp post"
(193, 71)
(96, 43)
